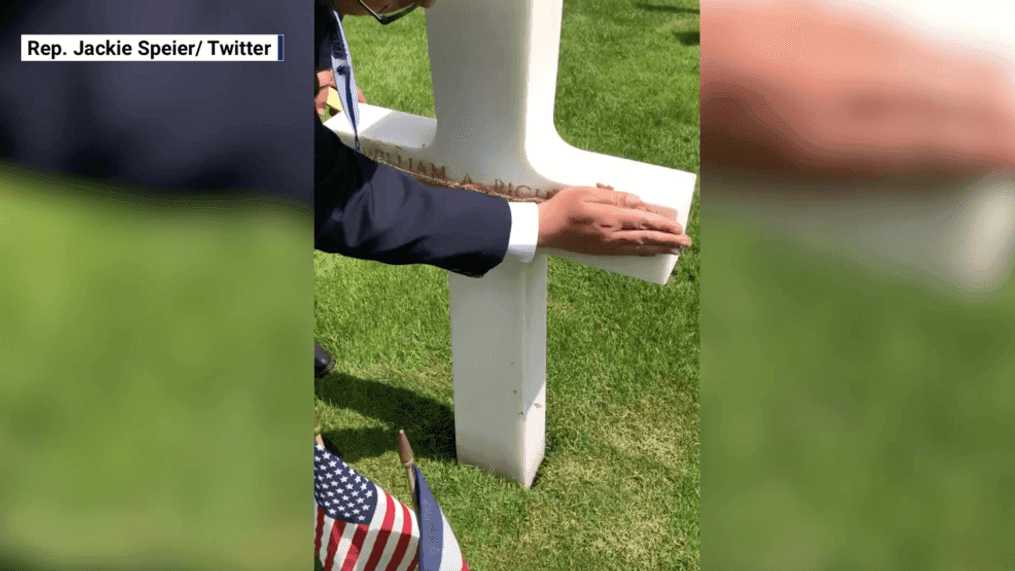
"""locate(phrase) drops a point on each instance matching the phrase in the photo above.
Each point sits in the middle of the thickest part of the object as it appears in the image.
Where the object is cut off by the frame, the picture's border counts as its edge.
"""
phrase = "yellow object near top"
(333, 99)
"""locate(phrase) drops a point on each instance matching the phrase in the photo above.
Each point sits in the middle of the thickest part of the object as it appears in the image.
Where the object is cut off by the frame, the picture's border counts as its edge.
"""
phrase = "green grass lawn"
(145, 349)
(620, 485)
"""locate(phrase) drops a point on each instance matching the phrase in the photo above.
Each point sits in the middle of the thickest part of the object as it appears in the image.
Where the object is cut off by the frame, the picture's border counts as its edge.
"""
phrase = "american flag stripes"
(359, 526)
(438, 547)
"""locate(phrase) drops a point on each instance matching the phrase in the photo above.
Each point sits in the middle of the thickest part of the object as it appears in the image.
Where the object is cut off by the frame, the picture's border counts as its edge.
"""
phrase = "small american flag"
(359, 525)
(438, 547)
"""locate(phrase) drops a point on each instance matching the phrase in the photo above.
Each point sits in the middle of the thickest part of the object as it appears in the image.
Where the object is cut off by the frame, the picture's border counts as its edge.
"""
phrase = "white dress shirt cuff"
(524, 230)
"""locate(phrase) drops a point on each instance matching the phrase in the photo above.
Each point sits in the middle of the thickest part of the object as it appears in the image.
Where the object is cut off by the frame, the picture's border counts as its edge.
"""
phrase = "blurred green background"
(155, 403)
(857, 411)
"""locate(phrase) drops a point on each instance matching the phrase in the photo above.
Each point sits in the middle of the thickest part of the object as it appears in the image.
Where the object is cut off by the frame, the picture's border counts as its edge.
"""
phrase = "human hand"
(325, 81)
(796, 87)
(603, 221)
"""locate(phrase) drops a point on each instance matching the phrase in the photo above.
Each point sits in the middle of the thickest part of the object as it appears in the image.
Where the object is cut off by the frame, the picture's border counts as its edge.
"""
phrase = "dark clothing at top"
(371, 211)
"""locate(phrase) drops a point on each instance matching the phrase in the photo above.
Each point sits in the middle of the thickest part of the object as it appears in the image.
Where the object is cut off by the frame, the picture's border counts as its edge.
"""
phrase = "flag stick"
(405, 452)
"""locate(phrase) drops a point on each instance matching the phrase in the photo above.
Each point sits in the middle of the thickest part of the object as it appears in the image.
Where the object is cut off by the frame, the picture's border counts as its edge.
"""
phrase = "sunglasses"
(386, 19)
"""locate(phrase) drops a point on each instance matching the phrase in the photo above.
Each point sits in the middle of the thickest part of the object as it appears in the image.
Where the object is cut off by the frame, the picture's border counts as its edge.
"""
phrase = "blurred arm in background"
(802, 88)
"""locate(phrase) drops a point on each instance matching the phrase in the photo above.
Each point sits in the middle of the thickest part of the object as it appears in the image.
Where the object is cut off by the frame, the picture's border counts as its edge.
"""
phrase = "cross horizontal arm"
(403, 141)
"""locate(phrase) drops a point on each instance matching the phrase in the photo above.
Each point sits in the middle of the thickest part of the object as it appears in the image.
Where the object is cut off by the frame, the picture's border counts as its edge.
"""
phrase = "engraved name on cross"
(494, 71)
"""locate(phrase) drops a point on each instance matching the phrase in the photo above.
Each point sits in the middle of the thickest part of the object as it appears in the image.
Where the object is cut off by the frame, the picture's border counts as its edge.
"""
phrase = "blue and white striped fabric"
(341, 67)
(438, 547)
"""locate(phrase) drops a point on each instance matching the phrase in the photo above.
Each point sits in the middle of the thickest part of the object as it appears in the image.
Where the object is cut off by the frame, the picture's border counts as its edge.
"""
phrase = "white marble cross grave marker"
(494, 70)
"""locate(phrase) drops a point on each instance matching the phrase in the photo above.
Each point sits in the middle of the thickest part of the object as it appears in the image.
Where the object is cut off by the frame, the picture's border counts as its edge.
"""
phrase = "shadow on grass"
(665, 8)
(429, 424)
(688, 37)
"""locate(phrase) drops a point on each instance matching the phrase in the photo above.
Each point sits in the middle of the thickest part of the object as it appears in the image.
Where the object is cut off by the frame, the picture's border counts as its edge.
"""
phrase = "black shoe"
(323, 363)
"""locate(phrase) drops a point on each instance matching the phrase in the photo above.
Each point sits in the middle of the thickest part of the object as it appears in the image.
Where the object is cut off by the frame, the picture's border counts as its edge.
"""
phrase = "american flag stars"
(340, 490)
(359, 526)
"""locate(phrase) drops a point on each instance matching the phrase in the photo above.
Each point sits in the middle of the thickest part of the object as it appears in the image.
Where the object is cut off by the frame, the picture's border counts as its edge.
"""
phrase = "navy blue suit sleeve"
(366, 210)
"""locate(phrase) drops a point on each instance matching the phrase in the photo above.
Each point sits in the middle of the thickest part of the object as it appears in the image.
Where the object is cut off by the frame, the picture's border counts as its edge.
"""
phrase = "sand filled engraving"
(431, 174)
